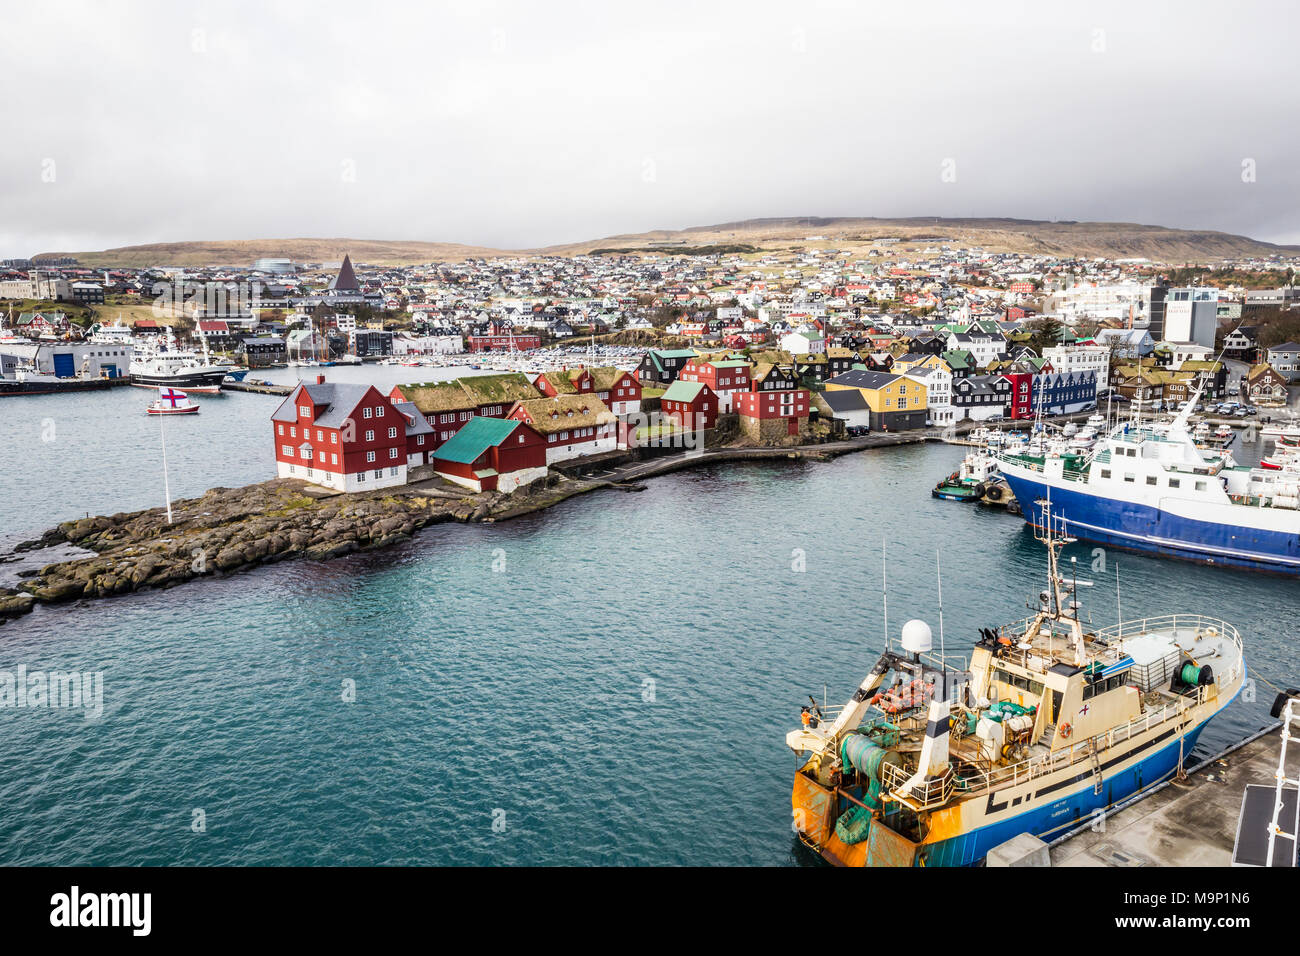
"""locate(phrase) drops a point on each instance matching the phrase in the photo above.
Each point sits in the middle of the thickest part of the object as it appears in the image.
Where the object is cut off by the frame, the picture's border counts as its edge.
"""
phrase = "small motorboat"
(172, 401)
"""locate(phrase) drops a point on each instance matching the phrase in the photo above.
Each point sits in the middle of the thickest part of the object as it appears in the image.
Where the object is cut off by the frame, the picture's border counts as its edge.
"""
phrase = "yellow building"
(896, 402)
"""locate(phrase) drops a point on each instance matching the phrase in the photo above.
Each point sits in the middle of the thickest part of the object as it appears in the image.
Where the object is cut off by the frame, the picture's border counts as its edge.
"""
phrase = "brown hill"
(1107, 239)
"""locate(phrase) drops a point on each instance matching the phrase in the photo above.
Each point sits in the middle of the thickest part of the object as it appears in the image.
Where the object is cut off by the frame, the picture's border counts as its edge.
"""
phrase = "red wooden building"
(1021, 402)
(493, 454)
(773, 415)
(619, 390)
(503, 343)
(447, 406)
(691, 405)
(725, 378)
(573, 425)
(344, 436)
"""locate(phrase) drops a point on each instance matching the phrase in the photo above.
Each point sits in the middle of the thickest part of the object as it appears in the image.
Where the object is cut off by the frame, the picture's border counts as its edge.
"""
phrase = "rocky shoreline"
(227, 530)
(231, 529)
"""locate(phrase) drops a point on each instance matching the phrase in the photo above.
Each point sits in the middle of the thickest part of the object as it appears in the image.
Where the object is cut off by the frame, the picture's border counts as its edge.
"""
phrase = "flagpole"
(167, 493)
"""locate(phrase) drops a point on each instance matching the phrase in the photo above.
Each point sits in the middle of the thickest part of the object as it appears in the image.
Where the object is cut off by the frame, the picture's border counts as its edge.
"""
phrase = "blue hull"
(1142, 528)
(1058, 817)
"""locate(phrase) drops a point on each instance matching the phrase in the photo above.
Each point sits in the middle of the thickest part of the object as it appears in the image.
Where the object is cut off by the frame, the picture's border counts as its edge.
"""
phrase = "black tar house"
(662, 366)
(263, 349)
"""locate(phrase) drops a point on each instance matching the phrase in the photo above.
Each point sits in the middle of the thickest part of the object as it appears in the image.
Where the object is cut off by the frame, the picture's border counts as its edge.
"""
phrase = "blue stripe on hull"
(1142, 528)
(1056, 817)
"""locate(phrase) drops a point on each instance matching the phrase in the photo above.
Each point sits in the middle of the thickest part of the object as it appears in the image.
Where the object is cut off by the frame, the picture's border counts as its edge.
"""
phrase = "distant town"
(575, 357)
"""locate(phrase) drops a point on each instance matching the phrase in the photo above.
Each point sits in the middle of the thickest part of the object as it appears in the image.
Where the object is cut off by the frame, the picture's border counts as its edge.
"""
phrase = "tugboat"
(935, 761)
(973, 480)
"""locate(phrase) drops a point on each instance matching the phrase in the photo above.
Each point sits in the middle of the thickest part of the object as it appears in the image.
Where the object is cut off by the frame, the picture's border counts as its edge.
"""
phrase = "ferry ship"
(1150, 488)
(1049, 725)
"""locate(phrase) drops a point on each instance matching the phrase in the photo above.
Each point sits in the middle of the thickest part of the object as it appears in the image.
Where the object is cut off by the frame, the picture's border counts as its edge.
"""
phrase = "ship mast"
(1060, 610)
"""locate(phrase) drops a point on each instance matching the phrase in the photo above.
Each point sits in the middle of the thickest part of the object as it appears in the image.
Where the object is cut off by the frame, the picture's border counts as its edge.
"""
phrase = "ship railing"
(930, 792)
(1198, 623)
(1081, 751)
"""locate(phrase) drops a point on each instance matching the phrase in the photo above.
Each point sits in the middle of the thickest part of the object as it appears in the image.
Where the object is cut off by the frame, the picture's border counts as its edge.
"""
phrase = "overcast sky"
(523, 124)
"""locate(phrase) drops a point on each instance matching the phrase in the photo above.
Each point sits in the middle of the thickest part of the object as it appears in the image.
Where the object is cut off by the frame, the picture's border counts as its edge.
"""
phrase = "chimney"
(320, 379)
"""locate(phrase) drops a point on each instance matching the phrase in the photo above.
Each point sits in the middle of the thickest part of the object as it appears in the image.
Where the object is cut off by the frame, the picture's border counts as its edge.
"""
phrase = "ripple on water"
(528, 691)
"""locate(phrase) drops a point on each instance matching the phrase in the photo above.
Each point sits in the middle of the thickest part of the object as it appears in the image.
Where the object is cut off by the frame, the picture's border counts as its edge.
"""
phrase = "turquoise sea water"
(523, 695)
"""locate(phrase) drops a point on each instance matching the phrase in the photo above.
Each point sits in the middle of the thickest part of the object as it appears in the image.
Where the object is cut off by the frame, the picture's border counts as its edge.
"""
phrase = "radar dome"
(916, 637)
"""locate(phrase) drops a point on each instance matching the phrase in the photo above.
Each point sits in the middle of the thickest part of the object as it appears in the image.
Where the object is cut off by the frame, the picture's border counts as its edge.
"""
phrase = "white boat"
(172, 401)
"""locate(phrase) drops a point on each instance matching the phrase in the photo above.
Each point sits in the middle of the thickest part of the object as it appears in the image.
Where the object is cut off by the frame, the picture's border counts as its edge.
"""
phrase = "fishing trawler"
(936, 760)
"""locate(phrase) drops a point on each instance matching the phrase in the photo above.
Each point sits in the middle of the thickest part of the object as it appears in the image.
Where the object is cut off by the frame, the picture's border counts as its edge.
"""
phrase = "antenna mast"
(884, 585)
(938, 573)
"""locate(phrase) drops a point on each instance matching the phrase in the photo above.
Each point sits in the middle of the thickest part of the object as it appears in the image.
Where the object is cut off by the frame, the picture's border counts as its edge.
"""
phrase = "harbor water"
(609, 681)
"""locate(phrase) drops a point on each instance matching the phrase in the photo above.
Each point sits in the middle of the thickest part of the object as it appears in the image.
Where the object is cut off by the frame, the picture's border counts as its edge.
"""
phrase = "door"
(64, 365)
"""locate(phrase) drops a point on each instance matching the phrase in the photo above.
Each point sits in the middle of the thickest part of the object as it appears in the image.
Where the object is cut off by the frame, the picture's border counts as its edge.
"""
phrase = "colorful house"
(691, 405)
(447, 406)
(1265, 385)
(340, 435)
(662, 366)
(897, 402)
(573, 425)
(492, 454)
(618, 389)
(726, 378)
(774, 416)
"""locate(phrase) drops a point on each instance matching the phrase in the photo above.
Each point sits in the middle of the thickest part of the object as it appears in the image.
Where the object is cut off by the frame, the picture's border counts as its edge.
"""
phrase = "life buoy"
(1065, 731)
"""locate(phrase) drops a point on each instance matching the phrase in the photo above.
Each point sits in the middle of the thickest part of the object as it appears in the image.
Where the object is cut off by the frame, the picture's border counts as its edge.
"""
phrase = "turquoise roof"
(477, 436)
(680, 391)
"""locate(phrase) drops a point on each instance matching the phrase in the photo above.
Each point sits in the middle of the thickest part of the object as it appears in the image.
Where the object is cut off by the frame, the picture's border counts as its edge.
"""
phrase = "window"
(1151, 479)
(320, 435)
(370, 456)
(392, 453)
(293, 431)
(370, 434)
(361, 476)
(1129, 478)
(367, 412)
(419, 440)
(334, 459)
(550, 438)
(379, 472)
(287, 449)
(1105, 472)
(1174, 482)
(1200, 486)
(279, 429)
(304, 411)
(392, 433)
(334, 438)
(379, 411)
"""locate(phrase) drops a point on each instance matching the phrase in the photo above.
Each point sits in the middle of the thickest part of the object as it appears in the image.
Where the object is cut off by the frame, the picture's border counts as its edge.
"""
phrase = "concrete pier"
(1183, 823)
